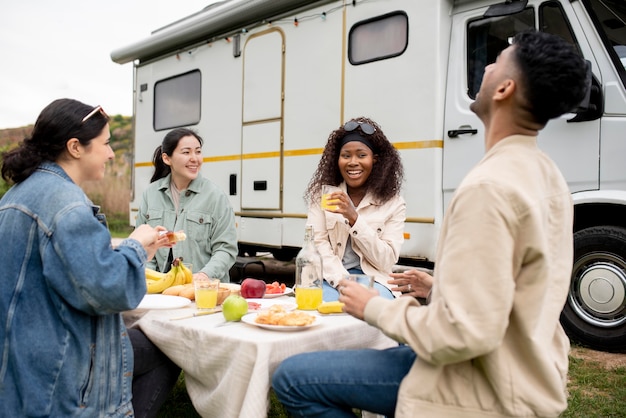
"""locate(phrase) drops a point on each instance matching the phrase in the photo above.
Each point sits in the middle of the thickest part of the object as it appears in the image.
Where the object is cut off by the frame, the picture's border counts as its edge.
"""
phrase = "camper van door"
(574, 146)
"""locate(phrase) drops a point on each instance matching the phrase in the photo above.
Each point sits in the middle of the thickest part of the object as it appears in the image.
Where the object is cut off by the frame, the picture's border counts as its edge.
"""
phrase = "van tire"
(595, 311)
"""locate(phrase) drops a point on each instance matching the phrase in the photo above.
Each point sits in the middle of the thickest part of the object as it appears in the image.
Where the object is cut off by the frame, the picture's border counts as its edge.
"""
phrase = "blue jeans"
(331, 383)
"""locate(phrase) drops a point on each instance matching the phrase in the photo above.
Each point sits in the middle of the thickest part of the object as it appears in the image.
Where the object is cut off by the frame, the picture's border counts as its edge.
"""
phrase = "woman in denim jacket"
(64, 350)
(179, 198)
(363, 230)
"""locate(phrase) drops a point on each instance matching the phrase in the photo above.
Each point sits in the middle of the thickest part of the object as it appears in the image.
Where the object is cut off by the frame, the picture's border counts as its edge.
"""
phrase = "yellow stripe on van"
(307, 151)
(435, 143)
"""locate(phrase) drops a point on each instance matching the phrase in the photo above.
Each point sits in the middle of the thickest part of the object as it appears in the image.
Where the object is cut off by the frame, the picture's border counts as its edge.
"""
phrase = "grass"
(178, 405)
(120, 232)
(595, 391)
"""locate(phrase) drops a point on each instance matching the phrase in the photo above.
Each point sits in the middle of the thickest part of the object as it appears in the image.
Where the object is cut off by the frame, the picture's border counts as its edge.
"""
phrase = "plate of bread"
(276, 318)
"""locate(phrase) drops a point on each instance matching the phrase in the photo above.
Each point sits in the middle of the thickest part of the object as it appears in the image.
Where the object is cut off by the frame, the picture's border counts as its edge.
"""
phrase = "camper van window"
(552, 20)
(379, 38)
(486, 38)
(177, 101)
(609, 17)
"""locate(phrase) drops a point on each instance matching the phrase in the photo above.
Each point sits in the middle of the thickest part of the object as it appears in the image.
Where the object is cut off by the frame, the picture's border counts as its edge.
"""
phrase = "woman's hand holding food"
(150, 238)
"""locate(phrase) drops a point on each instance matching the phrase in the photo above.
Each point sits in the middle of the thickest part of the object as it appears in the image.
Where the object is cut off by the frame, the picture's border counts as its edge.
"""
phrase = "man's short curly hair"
(554, 75)
(385, 180)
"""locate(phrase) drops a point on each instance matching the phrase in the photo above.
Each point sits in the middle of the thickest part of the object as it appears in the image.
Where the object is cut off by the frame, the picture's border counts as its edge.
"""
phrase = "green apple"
(234, 307)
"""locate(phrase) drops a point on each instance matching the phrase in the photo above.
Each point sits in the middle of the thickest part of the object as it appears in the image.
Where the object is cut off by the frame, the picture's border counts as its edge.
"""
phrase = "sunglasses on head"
(93, 112)
(366, 128)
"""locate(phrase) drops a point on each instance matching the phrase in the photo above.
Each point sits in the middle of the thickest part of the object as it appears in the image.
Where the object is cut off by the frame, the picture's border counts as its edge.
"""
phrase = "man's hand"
(355, 297)
(415, 283)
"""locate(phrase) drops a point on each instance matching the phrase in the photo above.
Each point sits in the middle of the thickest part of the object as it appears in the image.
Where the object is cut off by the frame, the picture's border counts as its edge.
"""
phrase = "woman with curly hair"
(362, 232)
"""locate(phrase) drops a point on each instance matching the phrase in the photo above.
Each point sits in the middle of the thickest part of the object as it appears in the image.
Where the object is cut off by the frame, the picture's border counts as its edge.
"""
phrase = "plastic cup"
(362, 279)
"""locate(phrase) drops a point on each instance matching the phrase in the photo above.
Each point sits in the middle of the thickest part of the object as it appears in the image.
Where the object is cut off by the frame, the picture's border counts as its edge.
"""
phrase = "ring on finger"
(409, 287)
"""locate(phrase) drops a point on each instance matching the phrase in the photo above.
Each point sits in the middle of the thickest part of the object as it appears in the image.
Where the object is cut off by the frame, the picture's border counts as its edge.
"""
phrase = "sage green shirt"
(206, 216)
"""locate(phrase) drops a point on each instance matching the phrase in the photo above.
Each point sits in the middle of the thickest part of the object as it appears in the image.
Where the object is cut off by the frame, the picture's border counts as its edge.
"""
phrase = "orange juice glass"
(308, 298)
(206, 293)
(327, 203)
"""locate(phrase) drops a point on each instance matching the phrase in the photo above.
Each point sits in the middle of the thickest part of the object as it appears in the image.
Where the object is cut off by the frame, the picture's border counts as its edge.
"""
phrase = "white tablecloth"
(228, 366)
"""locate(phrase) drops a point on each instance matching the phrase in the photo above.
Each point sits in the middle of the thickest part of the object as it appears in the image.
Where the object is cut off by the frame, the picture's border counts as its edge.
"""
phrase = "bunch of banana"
(188, 273)
(157, 282)
(180, 273)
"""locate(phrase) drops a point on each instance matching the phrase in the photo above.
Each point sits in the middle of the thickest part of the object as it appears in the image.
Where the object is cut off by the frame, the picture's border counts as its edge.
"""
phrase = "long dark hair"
(57, 123)
(387, 174)
(169, 144)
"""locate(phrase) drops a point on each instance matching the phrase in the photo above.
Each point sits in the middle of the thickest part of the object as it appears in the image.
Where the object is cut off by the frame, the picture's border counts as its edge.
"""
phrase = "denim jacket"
(207, 218)
(64, 350)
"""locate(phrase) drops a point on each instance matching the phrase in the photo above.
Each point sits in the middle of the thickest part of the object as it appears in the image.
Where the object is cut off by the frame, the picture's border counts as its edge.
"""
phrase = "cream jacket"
(490, 343)
(377, 236)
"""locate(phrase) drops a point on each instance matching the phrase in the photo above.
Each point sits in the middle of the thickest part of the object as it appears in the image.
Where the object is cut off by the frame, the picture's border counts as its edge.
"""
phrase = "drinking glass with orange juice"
(308, 298)
(206, 292)
(327, 202)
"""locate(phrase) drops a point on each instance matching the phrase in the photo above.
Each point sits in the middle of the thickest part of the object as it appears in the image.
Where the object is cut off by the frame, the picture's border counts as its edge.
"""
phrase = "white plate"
(250, 319)
(159, 301)
(266, 303)
(288, 291)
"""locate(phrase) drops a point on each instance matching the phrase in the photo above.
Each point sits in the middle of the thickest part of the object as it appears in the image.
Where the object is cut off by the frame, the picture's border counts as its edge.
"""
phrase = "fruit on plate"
(157, 282)
(234, 308)
(330, 307)
(253, 288)
(275, 288)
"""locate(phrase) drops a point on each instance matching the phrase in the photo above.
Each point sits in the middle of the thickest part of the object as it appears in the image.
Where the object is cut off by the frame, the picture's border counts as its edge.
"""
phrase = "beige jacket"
(490, 342)
(377, 236)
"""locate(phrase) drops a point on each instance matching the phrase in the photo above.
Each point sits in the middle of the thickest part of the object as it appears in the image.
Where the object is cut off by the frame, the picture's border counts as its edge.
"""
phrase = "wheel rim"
(598, 292)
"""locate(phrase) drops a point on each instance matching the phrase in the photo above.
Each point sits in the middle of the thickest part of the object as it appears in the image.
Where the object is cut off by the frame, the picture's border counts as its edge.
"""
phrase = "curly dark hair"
(554, 74)
(385, 180)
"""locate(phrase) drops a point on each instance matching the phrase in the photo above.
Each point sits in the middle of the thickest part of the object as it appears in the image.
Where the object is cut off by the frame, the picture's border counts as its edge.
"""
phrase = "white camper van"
(265, 82)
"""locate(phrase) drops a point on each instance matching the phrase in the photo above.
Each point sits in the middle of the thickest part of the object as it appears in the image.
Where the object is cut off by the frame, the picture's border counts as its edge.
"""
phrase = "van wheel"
(595, 312)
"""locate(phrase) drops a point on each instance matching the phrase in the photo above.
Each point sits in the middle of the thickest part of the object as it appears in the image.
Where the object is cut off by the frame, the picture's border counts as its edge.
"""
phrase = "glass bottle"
(309, 273)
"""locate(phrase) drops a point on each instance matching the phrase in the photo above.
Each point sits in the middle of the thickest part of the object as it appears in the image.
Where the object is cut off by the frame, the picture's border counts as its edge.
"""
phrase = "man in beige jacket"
(489, 342)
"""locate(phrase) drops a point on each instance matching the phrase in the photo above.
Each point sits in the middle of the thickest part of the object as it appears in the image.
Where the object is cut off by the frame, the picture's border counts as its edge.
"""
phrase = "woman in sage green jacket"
(179, 198)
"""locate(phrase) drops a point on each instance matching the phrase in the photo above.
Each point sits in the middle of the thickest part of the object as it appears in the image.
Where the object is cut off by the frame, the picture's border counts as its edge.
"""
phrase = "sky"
(51, 49)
